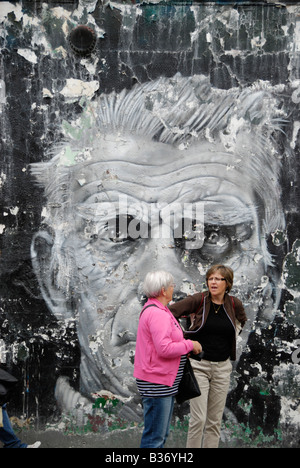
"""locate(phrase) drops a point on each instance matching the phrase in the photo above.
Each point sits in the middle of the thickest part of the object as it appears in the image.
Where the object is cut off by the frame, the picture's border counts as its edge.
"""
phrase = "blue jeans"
(157, 418)
(7, 435)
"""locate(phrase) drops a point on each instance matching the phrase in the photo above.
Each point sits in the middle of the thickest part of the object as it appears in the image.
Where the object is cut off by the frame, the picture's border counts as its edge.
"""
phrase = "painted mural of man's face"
(166, 145)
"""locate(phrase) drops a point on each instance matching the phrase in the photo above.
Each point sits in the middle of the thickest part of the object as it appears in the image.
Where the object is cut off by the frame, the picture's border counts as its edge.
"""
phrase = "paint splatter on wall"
(116, 120)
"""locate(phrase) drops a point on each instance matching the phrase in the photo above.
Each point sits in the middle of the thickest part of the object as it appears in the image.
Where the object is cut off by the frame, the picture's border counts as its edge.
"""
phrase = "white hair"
(182, 111)
(155, 281)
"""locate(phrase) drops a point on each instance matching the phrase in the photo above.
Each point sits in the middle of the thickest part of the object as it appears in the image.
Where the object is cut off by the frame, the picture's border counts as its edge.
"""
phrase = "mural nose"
(158, 255)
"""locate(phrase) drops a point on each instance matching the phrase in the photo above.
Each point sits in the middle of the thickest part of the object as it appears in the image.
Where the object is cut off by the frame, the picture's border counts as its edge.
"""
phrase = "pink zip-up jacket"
(159, 345)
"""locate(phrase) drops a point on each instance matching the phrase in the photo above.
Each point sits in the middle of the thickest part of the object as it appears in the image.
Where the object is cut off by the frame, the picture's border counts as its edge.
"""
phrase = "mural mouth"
(124, 324)
(122, 338)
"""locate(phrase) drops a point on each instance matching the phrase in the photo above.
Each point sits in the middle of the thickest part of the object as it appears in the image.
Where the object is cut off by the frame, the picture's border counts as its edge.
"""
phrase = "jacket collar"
(208, 296)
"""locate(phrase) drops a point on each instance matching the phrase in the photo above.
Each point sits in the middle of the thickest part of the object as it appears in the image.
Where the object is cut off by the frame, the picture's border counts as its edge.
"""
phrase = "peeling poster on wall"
(122, 123)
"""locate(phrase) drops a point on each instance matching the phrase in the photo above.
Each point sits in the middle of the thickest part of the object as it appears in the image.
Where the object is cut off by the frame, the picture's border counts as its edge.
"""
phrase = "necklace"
(216, 310)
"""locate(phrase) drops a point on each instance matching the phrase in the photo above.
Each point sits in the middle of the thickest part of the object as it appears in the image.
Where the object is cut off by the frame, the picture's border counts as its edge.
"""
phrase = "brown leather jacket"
(201, 302)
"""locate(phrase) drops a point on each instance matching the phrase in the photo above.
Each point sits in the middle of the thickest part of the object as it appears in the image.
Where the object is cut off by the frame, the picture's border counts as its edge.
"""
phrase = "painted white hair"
(155, 281)
(182, 111)
(178, 111)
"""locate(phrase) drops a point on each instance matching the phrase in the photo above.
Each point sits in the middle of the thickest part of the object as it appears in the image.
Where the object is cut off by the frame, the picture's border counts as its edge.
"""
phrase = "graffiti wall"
(139, 136)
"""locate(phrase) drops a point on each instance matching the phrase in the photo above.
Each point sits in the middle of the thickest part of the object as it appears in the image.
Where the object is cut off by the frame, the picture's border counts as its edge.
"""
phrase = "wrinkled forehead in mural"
(122, 196)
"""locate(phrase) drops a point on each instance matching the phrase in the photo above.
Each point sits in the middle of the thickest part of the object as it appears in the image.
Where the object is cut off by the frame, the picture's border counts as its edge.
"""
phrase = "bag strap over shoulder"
(151, 305)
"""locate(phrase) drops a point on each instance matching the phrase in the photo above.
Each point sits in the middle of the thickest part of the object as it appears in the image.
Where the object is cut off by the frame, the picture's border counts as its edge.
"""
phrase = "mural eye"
(219, 241)
(126, 228)
(213, 238)
(222, 238)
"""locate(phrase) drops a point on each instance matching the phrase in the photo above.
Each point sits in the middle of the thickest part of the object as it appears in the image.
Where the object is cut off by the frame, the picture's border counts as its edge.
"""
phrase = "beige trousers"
(207, 410)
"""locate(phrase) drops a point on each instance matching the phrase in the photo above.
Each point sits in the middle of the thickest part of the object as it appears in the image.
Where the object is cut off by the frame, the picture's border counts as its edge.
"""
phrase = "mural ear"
(43, 262)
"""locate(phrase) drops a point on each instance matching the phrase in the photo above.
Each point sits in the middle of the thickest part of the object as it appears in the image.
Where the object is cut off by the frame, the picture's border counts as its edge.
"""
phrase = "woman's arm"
(163, 331)
(239, 311)
(187, 306)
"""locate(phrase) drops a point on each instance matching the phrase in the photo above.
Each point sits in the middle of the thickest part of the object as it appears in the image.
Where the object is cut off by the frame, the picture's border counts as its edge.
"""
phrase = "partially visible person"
(7, 434)
(217, 319)
(160, 356)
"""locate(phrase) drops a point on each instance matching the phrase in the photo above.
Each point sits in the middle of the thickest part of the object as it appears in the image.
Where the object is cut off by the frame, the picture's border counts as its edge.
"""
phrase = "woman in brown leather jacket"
(217, 318)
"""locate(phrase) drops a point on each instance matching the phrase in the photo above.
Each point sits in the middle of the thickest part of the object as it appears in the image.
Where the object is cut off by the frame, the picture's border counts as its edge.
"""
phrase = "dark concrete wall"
(184, 102)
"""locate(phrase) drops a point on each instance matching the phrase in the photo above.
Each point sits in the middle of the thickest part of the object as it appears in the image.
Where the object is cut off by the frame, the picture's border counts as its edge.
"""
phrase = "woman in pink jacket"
(159, 359)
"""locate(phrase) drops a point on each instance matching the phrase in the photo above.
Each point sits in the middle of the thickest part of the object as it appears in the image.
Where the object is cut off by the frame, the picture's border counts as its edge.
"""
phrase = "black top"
(216, 335)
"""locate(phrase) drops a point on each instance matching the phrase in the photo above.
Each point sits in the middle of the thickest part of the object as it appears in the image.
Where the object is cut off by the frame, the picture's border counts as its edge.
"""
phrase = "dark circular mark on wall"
(82, 40)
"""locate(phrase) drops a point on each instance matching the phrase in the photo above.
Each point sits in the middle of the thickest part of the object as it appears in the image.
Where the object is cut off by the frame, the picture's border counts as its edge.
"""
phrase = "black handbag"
(188, 387)
(7, 382)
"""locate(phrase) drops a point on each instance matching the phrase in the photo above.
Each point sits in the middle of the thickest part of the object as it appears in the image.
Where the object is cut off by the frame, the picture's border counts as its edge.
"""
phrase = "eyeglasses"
(217, 280)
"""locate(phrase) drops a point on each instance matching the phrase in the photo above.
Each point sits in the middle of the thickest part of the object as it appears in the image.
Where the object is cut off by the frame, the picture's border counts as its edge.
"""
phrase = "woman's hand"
(197, 347)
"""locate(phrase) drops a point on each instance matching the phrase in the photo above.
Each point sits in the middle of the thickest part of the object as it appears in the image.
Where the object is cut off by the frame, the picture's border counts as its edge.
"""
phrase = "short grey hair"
(155, 281)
